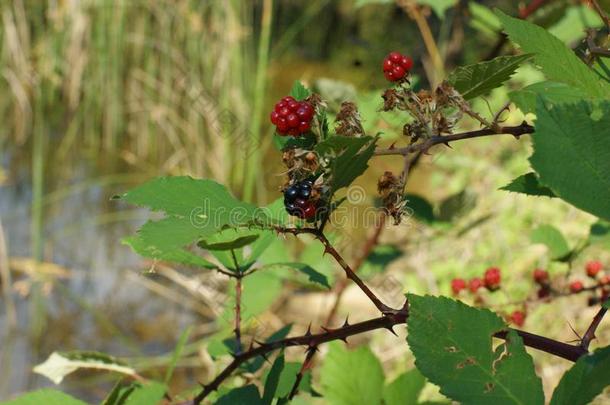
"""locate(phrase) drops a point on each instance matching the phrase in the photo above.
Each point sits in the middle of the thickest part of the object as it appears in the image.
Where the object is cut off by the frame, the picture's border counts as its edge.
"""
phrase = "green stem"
(253, 150)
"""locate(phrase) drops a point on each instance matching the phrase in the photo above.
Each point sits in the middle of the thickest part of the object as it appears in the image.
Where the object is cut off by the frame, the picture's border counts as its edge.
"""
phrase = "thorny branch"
(590, 333)
(516, 131)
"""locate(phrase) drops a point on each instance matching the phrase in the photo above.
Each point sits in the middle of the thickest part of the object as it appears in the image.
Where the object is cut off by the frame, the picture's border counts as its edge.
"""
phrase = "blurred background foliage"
(98, 95)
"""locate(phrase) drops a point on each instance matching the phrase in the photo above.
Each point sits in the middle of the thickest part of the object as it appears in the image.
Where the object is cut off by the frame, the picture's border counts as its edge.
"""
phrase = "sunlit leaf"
(452, 345)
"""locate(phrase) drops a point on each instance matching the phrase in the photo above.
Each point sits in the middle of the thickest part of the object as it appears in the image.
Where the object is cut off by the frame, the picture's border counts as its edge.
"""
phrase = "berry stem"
(238, 291)
(516, 131)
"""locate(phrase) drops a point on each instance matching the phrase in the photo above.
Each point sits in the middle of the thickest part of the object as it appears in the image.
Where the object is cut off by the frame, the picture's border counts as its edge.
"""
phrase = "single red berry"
(576, 286)
(475, 284)
(518, 318)
(293, 120)
(395, 57)
(593, 268)
(541, 276)
(398, 71)
(457, 285)
(309, 211)
(387, 65)
(304, 126)
(282, 125)
(274, 117)
(605, 280)
(492, 278)
(406, 63)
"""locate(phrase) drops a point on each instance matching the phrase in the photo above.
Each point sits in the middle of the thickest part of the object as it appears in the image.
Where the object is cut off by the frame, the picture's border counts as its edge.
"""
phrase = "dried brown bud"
(348, 120)
(390, 99)
(389, 188)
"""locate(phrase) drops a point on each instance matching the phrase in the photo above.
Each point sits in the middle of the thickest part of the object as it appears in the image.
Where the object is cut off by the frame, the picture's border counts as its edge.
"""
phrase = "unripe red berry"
(576, 286)
(605, 280)
(292, 117)
(457, 285)
(541, 276)
(396, 66)
(518, 318)
(593, 268)
(475, 284)
(492, 278)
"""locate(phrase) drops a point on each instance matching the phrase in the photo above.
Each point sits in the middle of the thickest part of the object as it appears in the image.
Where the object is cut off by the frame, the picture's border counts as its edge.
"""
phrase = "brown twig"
(308, 340)
(388, 321)
(307, 364)
(368, 247)
(238, 290)
(518, 130)
(600, 11)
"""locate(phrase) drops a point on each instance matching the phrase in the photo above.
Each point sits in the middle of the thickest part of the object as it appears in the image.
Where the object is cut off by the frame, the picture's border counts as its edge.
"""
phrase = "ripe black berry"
(297, 200)
(292, 117)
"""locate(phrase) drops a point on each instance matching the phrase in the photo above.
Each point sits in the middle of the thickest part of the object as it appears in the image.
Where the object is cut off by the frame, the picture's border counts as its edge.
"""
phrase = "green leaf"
(352, 162)
(551, 237)
(282, 142)
(483, 19)
(247, 395)
(528, 184)
(405, 389)
(606, 304)
(572, 154)
(452, 345)
(177, 354)
(195, 209)
(587, 378)
(480, 78)
(360, 3)
(176, 255)
(288, 378)
(558, 62)
(526, 98)
(456, 205)
(273, 379)
(44, 396)
(599, 234)
(146, 394)
(312, 275)
(237, 243)
(59, 365)
(351, 377)
(422, 208)
(299, 92)
(379, 259)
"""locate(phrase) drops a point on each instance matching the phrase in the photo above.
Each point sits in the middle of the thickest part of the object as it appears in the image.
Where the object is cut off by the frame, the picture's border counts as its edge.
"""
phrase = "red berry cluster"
(593, 269)
(491, 280)
(292, 117)
(396, 66)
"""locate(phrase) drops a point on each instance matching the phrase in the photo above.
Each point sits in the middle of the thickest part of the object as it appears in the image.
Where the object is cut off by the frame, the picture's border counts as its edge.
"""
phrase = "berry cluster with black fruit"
(300, 200)
(292, 117)
(396, 66)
